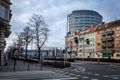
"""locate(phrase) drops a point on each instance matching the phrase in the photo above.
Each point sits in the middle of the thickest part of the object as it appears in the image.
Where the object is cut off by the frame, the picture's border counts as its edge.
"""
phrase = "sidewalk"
(22, 66)
(101, 63)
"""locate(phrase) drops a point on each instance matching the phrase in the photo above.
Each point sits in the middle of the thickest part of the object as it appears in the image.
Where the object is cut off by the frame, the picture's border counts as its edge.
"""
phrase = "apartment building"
(98, 42)
(104, 41)
(108, 40)
(117, 40)
(72, 47)
(87, 49)
(5, 15)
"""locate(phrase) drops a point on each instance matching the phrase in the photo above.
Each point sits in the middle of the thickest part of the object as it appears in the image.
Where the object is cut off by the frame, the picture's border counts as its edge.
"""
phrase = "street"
(80, 70)
(93, 71)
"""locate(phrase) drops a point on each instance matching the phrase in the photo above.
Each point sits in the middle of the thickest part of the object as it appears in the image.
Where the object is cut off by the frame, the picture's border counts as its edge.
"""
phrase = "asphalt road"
(93, 71)
(79, 71)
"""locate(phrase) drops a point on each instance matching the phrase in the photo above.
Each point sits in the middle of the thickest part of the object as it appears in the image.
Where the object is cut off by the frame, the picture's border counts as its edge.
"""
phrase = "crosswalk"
(35, 75)
(71, 74)
(81, 75)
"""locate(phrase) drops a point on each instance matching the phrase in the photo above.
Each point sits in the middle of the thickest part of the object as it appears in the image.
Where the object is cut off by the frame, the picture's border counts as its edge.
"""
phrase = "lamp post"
(66, 47)
(98, 56)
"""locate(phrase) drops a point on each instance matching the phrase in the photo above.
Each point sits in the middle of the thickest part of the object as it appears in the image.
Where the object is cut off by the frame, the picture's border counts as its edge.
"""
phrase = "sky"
(55, 15)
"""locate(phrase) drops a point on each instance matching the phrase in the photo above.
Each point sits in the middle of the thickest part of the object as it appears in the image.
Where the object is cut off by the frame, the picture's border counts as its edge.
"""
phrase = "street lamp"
(67, 33)
(98, 56)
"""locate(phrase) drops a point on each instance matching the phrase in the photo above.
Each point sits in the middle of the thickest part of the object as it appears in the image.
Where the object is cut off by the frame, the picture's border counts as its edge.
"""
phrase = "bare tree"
(40, 31)
(27, 37)
(20, 43)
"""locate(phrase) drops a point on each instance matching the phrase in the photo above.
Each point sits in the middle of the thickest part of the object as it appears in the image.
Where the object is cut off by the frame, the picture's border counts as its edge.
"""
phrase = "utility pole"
(83, 47)
(66, 47)
(98, 56)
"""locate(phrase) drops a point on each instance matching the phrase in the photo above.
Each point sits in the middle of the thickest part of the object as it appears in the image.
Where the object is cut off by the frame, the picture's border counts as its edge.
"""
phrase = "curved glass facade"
(80, 19)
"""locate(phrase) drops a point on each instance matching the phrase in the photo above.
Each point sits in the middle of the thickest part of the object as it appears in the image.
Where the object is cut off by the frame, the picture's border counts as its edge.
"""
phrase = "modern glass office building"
(80, 19)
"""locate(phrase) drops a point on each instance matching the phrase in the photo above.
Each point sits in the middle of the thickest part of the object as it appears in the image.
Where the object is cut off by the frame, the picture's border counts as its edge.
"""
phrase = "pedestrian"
(6, 59)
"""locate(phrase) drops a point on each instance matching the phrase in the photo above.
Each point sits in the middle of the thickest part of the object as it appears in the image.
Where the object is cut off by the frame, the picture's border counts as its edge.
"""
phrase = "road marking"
(83, 72)
(105, 76)
(115, 77)
(85, 77)
(62, 78)
(76, 70)
(66, 73)
(89, 73)
(77, 75)
(82, 69)
(71, 74)
(97, 74)
(94, 79)
(73, 70)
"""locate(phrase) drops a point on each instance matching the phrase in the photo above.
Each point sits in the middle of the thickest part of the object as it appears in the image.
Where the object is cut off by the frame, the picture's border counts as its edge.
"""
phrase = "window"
(118, 41)
(117, 55)
(118, 48)
(2, 11)
(76, 17)
(93, 50)
(80, 50)
(118, 28)
(98, 44)
(98, 38)
(117, 35)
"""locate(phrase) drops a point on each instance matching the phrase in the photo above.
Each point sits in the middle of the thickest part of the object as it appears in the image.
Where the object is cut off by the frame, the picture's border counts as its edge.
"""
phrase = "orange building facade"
(107, 41)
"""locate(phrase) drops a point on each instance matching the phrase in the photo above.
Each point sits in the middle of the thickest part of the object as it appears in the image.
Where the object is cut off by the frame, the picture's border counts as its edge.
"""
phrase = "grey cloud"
(55, 13)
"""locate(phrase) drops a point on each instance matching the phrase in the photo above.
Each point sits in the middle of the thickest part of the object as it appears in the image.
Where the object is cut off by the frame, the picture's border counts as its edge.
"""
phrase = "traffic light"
(64, 51)
(87, 41)
(76, 40)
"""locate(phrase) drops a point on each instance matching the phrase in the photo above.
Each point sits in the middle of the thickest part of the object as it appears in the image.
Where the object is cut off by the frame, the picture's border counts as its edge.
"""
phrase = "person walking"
(6, 59)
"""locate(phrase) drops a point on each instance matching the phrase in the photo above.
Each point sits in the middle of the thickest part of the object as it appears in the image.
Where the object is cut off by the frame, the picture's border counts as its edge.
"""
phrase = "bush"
(57, 64)
(60, 59)
(101, 60)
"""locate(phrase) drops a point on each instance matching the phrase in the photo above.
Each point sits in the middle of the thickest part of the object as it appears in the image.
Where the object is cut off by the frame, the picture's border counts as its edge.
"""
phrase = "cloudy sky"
(55, 15)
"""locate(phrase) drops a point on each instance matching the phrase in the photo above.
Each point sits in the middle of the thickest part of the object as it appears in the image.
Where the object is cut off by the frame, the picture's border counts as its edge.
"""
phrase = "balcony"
(4, 22)
(117, 49)
(110, 45)
(105, 54)
(104, 39)
(7, 31)
(104, 46)
(104, 33)
(110, 32)
(110, 51)
(107, 33)
(109, 38)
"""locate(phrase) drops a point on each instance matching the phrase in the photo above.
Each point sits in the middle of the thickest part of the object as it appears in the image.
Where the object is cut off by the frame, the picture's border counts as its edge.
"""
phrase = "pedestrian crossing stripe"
(63, 78)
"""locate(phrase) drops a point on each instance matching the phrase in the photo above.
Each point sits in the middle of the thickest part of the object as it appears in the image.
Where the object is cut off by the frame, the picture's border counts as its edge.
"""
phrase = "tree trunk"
(40, 58)
(26, 51)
